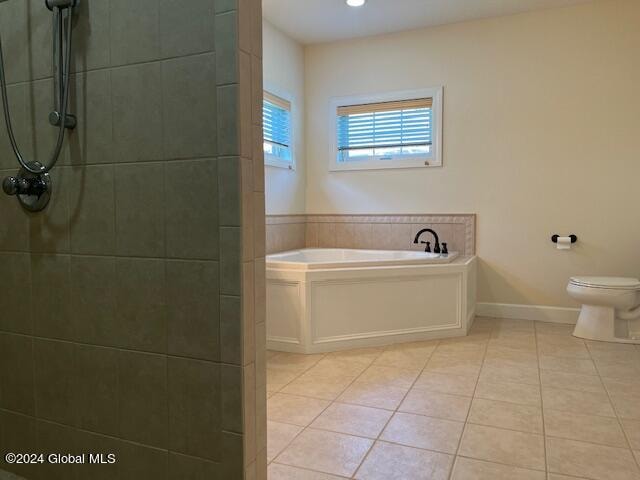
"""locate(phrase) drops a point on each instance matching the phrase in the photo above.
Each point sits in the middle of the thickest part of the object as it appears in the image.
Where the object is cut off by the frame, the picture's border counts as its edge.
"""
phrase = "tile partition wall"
(384, 232)
(132, 309)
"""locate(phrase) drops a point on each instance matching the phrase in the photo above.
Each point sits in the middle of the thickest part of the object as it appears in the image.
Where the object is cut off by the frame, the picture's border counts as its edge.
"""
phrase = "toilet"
(610, 308)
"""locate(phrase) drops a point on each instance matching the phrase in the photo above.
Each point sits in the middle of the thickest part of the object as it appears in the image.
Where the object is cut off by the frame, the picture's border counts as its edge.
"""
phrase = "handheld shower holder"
(51, 4)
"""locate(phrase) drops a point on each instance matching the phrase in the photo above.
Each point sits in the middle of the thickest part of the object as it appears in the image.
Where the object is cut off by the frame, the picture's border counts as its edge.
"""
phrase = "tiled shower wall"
(132, 309)
(383, 232)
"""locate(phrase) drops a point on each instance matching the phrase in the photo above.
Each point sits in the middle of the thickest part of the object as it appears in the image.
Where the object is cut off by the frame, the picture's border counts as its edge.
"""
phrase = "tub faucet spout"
(436, 248)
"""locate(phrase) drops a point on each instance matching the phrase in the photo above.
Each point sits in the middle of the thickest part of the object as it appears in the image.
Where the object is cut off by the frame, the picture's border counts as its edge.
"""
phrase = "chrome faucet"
(427, 248)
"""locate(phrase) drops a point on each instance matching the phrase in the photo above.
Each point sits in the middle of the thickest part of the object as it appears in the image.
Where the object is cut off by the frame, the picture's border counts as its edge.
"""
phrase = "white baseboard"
(528, 312)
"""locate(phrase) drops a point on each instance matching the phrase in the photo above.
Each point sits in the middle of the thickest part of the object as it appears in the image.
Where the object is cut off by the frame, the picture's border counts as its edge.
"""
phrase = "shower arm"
(57, 6)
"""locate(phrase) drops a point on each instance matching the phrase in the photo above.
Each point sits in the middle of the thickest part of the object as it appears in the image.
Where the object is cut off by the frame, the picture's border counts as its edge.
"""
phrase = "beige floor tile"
(556, 476)
(293, 361)
(520, 449)
(524, 343)
(632, 429)
(425, 346)
(467, 350)
(625, 386)
(618, 370)
(294, 409)
(572, 401)
(470, 469)
(424, 432)
(409, 359)
(372, 395)
(519, 393)
(513, 331)
(615, 356)
(362, 355)
(390, 376)
(560, 346)
(512, 356)
(612, 351)
(568, 341)
(396, 462)
(502, 372)
(318, 386)
(486, 322)
(513, 336)
(583, 366)
(353, 420)
(595, 346)
(571, 381)
(626, 406)
(337, 368)
(588, 428)
(278, 378)
(597, 462)
(454, 365)
(554, 328)
(327, 452)
(279, 435)
(453, 384)
(439, 405)
(286, 472)
(511, 324)
(524, 418)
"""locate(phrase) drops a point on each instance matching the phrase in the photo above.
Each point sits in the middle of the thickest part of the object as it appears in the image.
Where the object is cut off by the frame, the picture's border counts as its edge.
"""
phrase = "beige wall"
(284, 74)
(541, 125)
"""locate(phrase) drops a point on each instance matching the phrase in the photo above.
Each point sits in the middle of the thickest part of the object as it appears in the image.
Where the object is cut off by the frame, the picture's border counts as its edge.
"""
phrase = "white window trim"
(272, 160)
(435, 160)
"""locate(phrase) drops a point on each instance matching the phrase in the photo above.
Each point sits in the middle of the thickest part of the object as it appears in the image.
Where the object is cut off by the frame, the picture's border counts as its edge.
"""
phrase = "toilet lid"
(622, 283)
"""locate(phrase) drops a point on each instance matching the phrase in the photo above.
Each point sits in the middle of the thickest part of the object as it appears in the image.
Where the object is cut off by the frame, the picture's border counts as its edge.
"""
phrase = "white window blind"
(385, 131)
(276, 116)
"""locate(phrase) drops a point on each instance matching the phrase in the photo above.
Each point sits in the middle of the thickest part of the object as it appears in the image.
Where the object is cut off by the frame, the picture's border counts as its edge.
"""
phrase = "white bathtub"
(320, 300)
(324, 258)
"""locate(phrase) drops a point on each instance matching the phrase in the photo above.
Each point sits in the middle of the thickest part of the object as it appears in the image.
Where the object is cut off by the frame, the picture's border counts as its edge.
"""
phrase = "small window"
(276, 116)
(388, 131)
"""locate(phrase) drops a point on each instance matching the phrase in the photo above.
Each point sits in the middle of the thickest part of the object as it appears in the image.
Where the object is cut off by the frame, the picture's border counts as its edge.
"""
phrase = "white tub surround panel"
(311, 309)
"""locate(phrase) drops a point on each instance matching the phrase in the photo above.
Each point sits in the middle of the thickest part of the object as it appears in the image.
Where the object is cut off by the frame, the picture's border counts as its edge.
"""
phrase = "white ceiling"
(316, 21)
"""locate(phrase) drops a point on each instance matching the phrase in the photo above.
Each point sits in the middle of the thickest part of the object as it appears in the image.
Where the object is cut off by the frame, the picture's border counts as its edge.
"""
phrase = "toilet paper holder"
(554, 238)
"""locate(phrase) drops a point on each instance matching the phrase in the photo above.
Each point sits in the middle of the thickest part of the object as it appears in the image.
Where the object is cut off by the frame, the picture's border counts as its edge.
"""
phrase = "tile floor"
(513, 400)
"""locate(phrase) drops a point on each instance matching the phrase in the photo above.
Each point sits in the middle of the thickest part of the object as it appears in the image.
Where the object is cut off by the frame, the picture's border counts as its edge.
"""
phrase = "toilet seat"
(609, 283)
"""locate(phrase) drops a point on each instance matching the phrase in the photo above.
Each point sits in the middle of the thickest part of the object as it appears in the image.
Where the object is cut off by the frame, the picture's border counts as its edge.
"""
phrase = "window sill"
(277, 163)
(382, 165)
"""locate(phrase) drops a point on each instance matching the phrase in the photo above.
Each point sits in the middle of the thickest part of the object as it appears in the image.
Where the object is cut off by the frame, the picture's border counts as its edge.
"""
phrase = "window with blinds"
(387, 134)
(276, 117)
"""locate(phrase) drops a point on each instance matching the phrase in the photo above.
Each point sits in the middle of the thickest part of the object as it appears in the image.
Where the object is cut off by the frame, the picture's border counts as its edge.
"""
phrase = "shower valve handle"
(23, 186)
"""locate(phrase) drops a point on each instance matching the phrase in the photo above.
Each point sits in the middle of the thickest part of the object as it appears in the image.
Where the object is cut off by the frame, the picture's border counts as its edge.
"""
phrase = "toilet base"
(600, 323)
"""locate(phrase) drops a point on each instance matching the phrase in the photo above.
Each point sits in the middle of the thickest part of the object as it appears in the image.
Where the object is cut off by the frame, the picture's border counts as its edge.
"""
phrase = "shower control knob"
(10, 185)
(21, 186)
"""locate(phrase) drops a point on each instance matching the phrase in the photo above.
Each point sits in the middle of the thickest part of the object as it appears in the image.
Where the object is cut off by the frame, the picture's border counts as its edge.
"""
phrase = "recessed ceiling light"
(355, 3)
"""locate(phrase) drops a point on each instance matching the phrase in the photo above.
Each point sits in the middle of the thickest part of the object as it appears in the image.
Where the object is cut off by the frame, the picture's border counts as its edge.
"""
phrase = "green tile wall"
(132, 309)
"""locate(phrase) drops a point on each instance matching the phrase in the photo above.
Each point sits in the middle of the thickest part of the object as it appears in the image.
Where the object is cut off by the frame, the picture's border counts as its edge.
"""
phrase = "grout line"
(466, 421)
(438, 342)
(121, 349)
(279, 391)
(615, 411)
(544, 432)
(306, 469)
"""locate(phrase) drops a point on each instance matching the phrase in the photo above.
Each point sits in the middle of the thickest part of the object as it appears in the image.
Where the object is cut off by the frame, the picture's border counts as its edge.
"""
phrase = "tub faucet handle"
(445, 250)
(427, 246)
